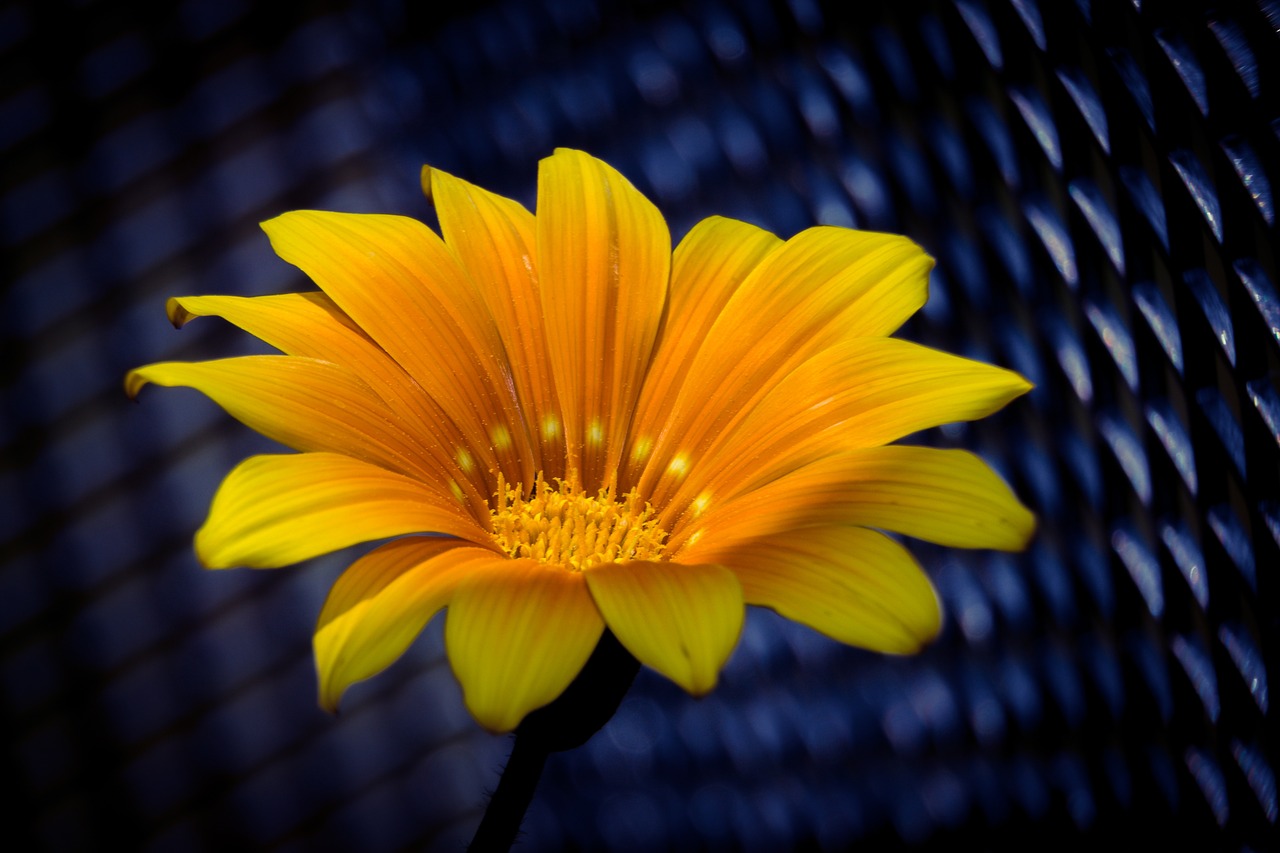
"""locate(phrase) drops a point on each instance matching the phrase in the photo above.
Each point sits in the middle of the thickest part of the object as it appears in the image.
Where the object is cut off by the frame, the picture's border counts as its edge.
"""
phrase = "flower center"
(566, 526)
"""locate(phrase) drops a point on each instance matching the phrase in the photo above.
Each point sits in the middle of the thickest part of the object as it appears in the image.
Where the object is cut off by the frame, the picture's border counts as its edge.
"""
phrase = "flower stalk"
(586, 705)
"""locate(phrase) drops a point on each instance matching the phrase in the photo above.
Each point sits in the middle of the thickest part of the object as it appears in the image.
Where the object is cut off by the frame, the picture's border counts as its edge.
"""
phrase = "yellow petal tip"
(494, 724)
(700, 689)
(133, 382)
(210, 555)
(330, 691)
(425, 179)
(275, 224)
(329, 704)
(178, 313)
(1027, 529)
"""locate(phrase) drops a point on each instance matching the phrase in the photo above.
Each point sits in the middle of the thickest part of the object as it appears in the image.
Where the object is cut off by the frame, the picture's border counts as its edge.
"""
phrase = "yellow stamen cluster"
(566, 526)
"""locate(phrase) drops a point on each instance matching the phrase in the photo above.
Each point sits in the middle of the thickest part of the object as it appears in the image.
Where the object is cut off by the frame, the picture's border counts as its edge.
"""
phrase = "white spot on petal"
(679, 465)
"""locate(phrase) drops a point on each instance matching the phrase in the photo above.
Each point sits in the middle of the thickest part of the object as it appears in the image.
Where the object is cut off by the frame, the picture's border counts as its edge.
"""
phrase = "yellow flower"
(599, 431)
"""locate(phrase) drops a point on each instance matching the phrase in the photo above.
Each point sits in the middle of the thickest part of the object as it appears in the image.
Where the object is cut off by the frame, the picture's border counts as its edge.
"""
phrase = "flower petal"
(682, 620)
(395, 278)
(706, 268)
(302, 403)
(863, 392)
(518, 632)
(275, 510)
(950, 497)
(821, 286)
(494, 239)
(381, 603)
(604, 256)
(852, 584)
(311, 325)
(306, 324)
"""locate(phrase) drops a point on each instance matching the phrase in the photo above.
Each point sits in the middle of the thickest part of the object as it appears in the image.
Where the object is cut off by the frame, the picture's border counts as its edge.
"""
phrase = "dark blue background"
(1095, 181)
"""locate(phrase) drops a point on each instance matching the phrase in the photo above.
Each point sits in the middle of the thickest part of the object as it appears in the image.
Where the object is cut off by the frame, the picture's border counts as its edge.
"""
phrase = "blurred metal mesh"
(1095, 181)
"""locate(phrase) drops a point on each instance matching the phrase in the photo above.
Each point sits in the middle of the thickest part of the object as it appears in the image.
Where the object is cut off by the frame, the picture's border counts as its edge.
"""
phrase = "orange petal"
(312, 326)
(275, 510)
(950, 497)
(397, 280)
(380, 604)
(604, 256)
(682, 620)
(302, 403)
(518, 632)
(821, 286)
(707, 267)
(862, 392)
(494, 238)
(852, 584)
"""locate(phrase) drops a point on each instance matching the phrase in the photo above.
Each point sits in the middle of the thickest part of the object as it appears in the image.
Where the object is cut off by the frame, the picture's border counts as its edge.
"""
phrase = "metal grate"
(1095, 181)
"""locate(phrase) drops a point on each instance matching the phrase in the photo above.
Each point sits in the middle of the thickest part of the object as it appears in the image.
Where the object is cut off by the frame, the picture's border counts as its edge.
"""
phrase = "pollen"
(566, 526)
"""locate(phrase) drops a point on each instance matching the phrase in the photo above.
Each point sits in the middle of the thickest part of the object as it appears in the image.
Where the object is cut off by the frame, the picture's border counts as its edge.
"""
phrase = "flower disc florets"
(568, 527)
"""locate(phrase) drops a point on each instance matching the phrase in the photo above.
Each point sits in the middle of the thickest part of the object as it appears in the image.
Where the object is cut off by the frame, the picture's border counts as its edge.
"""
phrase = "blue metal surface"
(1095, 180)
